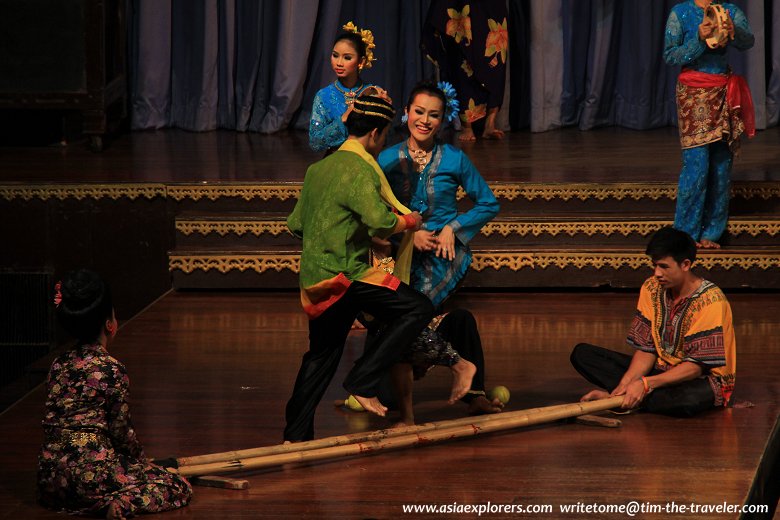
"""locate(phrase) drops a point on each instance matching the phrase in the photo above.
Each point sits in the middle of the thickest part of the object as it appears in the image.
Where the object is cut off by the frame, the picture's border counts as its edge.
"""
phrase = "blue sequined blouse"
(326, 130)
(682, 45)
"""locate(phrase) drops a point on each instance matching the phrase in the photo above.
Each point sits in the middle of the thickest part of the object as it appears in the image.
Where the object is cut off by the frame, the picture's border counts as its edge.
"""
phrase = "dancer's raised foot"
(462, 375)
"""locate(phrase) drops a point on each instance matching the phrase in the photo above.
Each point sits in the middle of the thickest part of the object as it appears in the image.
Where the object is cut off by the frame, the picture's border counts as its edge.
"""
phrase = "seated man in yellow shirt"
(685, 358)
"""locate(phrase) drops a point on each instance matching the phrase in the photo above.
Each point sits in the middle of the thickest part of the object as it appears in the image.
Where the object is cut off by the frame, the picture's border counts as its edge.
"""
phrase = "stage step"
(623, 198)
(236, 228)
(732, 267)
(257, 230)
(234, 235)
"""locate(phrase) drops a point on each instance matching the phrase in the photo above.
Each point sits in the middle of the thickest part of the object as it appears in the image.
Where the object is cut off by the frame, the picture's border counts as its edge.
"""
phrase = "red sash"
(737, 92)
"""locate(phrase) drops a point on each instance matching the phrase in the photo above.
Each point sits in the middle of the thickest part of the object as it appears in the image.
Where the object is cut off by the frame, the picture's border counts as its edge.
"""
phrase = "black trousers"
(405, 313)
(605, 368)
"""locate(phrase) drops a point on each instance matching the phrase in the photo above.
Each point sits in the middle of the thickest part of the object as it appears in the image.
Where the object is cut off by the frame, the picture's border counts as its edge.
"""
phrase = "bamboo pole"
(340, 440)
(448, 430)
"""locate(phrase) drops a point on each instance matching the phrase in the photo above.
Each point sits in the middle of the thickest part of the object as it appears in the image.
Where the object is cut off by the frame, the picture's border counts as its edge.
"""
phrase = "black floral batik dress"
(91, 456)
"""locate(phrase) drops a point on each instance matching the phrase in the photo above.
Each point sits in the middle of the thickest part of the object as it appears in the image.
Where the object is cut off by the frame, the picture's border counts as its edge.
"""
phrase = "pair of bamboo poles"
(383, 440)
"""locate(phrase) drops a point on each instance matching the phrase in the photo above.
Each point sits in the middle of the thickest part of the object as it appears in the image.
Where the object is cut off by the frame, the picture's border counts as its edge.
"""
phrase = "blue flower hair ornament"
(453, 106)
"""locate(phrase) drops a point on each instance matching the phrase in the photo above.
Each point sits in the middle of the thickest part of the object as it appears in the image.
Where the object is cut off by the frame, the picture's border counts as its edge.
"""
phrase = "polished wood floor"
(569, 155)
(212, 372)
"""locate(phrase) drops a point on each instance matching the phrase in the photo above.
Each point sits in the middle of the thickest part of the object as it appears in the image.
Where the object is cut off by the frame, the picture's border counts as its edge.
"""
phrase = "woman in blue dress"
(713, 111)
(352, 52)
(425, 175)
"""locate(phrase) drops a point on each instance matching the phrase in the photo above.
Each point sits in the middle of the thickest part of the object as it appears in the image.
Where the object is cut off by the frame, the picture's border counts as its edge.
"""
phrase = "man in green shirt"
(340, 209)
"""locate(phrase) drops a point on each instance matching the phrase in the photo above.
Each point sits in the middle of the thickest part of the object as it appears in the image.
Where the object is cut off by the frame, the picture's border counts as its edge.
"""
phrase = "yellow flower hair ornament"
(367, 37)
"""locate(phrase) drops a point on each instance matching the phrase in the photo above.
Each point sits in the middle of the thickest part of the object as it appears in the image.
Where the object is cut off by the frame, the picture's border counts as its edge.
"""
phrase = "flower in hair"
(57, 294)
(367, 37)
(453, 106)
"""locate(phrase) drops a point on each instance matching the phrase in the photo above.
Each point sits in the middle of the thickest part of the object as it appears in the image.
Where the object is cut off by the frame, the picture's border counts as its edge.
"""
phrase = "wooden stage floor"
(568, 155)
(212, 372)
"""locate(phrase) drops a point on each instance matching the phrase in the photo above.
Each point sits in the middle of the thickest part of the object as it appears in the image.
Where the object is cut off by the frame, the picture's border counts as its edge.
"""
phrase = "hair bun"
(81, 290)
(85, 304)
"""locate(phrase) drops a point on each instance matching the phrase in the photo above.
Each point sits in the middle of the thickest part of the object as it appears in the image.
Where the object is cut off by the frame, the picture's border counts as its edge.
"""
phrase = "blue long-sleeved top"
(682, 45)
(326, 130)
(433, 192)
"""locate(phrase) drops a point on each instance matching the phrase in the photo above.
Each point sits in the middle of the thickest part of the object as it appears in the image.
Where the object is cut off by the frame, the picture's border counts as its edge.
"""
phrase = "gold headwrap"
(373, 106)
(367, 37)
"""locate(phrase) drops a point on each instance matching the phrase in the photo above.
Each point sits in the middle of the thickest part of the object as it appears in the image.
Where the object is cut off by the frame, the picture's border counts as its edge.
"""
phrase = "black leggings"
(457, 336)
(605, 368)
(460, 328)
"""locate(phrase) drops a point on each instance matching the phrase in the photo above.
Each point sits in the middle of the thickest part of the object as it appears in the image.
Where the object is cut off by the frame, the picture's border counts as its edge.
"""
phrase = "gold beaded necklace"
(350, 94)
(419, 156)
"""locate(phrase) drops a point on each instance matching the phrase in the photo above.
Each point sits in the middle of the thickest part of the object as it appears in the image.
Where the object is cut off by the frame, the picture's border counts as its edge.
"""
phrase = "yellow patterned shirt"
(698, 329)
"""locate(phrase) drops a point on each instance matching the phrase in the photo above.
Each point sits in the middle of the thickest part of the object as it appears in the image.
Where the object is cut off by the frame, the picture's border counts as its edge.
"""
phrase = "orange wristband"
(646, 385)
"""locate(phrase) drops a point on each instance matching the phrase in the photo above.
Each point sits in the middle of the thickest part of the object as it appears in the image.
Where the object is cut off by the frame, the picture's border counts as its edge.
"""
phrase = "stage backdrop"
(255, 65)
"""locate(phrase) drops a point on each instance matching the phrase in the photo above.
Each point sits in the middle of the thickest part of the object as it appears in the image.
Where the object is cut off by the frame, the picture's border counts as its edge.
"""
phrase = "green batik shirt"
(338, 212)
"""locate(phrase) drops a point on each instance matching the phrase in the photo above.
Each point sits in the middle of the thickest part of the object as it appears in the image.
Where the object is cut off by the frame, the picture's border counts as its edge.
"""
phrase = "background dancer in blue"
(713, 108)
(352, 52)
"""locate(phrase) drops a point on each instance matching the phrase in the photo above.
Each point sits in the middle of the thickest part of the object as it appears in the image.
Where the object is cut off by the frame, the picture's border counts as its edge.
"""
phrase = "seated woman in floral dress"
(91, 461)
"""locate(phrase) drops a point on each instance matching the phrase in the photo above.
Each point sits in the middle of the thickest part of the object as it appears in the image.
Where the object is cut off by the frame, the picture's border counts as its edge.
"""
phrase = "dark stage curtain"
(612, 73)
(256, 64)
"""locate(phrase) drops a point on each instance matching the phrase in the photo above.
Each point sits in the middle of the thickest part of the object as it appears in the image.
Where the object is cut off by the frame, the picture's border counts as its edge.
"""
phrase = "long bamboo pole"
(448, 430)
(340, 440)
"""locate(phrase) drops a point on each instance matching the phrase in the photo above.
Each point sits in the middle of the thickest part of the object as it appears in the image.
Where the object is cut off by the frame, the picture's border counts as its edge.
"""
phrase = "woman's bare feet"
(462, 374)
(114, 511)
(371, 404)
(467, 134)
(480, 405)
(707, 244)
(493, 133)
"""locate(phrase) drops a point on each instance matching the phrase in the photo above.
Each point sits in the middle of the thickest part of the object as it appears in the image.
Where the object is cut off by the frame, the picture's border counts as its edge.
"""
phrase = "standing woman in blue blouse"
(713, 109)
(352, 52)
(425, 175)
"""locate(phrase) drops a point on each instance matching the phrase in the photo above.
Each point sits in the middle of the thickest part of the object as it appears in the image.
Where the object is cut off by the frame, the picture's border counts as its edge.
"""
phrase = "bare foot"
(371, 404)
(707, 244)
(467, 134)
(493, 133)
(462, 374)
(114, 511)
(595, 395)
(403, 423)
(481, 405)
(406, 419)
